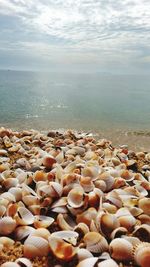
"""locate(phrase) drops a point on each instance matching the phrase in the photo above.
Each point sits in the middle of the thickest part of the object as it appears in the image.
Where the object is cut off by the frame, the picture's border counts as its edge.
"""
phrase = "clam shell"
(121, 249)
(95, 242)
(17, 192)
(63, 224)
(76, 197)
(106, 223)
(108, 179)
(35, 247)
(142, 232)
(144, 204)
(118, 232)
(6, 241)
(42, 221)
(41, 232)
(24, 216)
(22, 232)
(69, 236)
(48, 161)
(87, 216)
(83, 254)
(141, 254)
(7, 225)
(61, 249)
(2, 210)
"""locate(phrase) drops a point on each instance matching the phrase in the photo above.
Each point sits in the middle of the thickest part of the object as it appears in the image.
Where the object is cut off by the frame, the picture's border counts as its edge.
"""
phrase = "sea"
(108, 105)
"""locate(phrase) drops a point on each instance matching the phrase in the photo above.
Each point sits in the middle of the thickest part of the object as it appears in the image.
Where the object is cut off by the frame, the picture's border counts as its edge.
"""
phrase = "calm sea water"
(90, 102)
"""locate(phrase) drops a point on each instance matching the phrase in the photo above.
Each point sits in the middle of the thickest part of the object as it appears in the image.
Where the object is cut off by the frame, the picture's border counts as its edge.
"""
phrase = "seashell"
(109, 207)
(76, 197)
(81, 229)
(121, 249)
(10, 182)
(22, 162)
(91, 171)
(6, 241)
(83, 254)
(42, 221)
(86, 183)
(53, 189)
(140, 155)
(106, 223)
(133, 240)
(61, 249)
(144, 204)
(147, 157)
(135, 211)
(24, 216)
(108, 263)
(24, 262)
(101, 185)
(87, 216)
(17, 192)
(22, 232)
(7, 225)
(95, 242)
(118, 232)
(114, 198)
(48, 161)
(68, 236)
(127, 175)
(9, 196)
(35, 209)
(41, 232)
(39, 176)
(141, 254)
(94, 197)
(4, 167)
(142, 232)
(144, 219)
(30, 200)
(63, 224)
(10, 264)
(108, 179)
(3, 152)
(89, 262)
(35, 246)
(12, 209)
(125, 218)
(1, 248)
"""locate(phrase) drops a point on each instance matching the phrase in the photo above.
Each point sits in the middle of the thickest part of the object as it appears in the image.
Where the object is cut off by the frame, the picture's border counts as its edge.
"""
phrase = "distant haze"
(75, 35)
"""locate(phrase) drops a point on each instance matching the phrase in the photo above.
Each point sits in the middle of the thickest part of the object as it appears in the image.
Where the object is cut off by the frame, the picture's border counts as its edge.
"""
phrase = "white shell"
(35, 247)
(7, 225)
(89, 262)
(69, 236)
(10, 264)
(108, 263)
(24, 216)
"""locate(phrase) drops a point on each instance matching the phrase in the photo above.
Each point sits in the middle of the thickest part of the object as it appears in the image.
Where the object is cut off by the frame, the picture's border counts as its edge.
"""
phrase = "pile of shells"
(67, 199)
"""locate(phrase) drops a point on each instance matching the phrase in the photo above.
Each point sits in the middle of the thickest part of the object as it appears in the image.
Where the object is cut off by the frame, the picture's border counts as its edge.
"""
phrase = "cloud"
(104, 30)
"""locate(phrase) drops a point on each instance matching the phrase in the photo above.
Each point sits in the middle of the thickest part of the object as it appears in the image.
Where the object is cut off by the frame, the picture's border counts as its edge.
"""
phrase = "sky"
(75, 35)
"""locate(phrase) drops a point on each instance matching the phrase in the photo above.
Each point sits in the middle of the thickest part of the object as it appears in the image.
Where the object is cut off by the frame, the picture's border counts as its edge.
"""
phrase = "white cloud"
(99, 28)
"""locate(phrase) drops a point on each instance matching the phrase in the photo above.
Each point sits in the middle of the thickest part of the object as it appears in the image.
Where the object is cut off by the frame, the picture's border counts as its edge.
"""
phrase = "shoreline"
(138, 140)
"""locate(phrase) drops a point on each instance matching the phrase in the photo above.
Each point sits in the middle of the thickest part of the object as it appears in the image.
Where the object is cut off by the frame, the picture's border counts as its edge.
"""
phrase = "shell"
(76, 197)
(144, 204)
(87, 216)
(6, 241)
(83, 254)
(24, 216)
(61, 249)
(95, 242)
(91, 171)
(118, 232)
(108, 179)
(17, 192)
(7, 225)
(24, 262)
(106, 223)
(42, 221)
(141, 254)
(35, 246)
(48, 161)
(86, 183)
(63, 224)
(22, 232)
(68, 236)
(120, 249)
(41, 232)
(142, 232)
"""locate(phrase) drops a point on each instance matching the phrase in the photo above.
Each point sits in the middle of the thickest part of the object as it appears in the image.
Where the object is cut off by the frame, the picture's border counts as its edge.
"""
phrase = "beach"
(70, 199)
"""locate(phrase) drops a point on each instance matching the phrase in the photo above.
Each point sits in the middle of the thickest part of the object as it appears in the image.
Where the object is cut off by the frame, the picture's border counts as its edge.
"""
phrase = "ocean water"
(89, 102)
